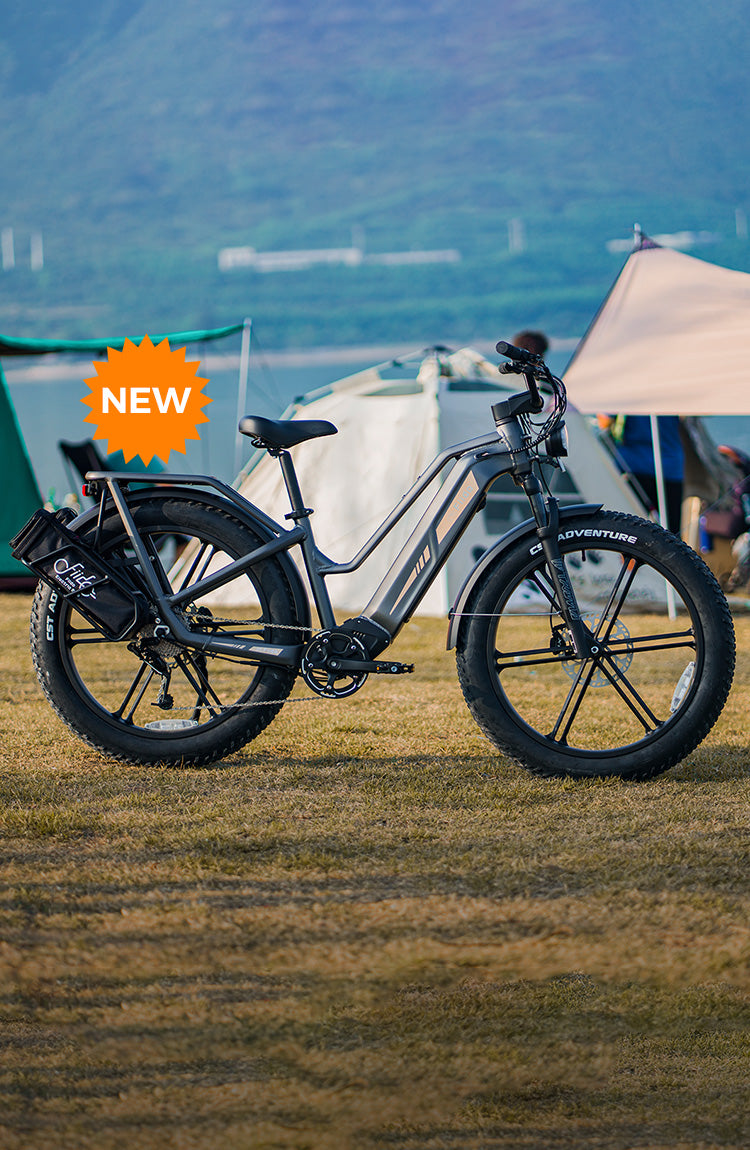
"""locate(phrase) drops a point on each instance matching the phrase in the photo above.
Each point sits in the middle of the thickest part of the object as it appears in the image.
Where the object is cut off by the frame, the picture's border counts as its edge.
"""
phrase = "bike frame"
(474, 465)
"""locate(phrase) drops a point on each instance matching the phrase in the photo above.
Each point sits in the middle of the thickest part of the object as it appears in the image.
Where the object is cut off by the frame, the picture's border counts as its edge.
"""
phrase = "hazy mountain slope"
(144, 136)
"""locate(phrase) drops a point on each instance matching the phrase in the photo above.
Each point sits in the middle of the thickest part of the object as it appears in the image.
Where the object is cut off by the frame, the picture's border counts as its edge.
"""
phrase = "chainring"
(323, 679)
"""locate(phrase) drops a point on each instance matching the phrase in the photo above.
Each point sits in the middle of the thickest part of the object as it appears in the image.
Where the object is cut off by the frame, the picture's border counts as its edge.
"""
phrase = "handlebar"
(519, 354)
(532, 367)
(526, 363)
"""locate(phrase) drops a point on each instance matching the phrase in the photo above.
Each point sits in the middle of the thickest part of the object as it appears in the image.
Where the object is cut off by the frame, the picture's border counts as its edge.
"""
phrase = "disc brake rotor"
(622, 657)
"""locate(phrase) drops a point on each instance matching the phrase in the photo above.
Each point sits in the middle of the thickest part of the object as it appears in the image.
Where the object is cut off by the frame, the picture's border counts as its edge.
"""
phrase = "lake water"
(47, 395)
(47, 400)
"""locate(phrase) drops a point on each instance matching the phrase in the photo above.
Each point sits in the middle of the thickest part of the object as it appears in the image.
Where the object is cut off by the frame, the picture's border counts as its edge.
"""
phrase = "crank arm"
(369, 666)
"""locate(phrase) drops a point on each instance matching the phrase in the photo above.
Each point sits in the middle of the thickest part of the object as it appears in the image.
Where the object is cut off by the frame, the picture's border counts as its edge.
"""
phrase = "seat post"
(299, 511)
(309, 551)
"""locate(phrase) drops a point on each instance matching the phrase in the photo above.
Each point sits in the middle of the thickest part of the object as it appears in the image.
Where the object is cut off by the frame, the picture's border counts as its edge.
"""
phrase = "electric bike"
(588, 642)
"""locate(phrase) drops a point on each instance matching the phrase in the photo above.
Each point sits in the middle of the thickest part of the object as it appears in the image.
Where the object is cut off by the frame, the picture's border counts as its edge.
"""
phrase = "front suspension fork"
(547, 517)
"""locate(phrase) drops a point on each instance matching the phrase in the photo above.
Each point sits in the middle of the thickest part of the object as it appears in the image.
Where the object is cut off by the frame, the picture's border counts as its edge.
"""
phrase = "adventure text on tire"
(658, 682)
(145, 699)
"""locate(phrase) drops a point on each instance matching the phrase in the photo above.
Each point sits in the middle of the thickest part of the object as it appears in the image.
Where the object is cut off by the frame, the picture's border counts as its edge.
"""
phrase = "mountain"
(140, 138)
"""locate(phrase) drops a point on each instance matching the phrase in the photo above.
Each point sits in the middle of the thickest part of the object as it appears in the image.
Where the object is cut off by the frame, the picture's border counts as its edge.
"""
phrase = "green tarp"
(22, 495)
(21, 492)
(9, 345)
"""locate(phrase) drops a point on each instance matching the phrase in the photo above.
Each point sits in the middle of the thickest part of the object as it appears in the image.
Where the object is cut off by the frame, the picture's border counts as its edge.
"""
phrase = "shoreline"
(63, 365)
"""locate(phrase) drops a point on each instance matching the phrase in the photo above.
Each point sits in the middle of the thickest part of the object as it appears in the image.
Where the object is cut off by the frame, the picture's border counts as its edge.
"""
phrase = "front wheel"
(659, 679)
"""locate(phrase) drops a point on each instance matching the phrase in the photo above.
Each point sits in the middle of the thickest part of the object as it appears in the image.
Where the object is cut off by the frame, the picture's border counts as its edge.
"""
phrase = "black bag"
(59, 557)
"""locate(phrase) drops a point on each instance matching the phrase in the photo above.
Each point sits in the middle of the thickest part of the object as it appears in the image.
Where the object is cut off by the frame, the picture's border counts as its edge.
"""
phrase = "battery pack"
(78, 573)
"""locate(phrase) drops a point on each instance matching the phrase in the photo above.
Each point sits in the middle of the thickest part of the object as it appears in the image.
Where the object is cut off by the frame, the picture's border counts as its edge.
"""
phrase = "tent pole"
(661, 493)
(661, 500)
(242, 390)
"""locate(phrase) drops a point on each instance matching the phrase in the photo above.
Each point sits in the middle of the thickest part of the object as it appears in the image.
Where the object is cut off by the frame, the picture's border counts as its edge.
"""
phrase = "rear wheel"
(146, 699)
(658, 681)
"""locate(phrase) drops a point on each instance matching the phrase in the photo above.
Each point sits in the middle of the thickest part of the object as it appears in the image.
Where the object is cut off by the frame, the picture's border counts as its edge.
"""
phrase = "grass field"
(368, 930)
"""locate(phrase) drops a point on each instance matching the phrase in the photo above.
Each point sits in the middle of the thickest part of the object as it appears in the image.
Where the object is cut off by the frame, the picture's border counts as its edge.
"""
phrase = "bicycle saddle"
(283, 432)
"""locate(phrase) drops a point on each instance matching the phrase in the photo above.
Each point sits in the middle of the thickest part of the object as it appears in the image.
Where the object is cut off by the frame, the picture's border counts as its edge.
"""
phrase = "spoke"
(507, 659)
(199, 663)
(156, 563)
(200, 685)
(196, 571)
(629, 694)
(545, 587)
(573, 700)
(120, 712)
(627, 573)
(90, 637)
(669, 641)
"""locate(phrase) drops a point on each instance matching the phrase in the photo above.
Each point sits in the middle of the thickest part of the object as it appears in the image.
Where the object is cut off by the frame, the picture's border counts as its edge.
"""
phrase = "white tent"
(392, 421)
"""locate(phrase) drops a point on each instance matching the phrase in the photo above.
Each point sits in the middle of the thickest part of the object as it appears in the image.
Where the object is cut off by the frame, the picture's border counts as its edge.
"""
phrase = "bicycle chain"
(254, 623)
(246, 706)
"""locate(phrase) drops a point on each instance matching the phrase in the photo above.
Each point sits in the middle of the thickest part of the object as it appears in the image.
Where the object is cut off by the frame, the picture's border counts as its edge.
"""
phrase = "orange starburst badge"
(146, 400)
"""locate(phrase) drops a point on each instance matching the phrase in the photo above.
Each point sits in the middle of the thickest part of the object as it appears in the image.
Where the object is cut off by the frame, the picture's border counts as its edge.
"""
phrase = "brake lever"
(537, 403)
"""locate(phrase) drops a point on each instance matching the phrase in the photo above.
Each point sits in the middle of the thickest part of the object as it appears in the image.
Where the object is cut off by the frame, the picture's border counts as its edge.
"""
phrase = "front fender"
(527, 528)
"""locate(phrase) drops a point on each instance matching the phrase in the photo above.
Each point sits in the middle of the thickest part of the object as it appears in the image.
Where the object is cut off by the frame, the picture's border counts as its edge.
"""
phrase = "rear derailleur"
(153, 647)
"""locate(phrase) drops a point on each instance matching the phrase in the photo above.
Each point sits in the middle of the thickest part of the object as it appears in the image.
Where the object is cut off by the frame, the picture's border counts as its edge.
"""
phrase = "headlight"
(557, 443)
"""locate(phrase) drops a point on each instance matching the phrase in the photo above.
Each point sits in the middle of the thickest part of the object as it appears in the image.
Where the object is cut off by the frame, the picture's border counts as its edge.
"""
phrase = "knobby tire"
(648, 698)
(110, 694)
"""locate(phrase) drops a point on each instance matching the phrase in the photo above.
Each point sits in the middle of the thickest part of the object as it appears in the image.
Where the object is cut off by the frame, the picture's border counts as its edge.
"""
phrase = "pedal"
(393, 668)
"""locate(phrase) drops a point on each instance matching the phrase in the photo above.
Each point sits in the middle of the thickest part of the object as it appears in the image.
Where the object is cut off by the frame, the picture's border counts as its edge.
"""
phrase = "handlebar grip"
(519, 354)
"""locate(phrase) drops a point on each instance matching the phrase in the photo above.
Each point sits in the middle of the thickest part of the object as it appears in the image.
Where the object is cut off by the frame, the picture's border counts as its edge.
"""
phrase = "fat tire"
(680, 732)
(51, 648)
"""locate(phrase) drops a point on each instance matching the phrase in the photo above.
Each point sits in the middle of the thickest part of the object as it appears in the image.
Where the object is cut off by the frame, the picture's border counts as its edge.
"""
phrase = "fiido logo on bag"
(146, 400)
(73, 577)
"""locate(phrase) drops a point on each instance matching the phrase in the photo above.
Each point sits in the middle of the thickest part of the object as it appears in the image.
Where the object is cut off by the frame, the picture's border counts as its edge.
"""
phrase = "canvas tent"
(392, 421)
(22, 492)
(671, 337)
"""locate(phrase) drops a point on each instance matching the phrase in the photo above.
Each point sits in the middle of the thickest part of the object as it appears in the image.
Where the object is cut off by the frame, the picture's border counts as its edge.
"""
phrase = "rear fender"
(493, 553)
(244, 512)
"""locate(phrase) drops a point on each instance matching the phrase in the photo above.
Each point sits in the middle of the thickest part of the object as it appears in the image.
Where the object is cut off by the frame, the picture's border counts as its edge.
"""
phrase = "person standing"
(633, 441)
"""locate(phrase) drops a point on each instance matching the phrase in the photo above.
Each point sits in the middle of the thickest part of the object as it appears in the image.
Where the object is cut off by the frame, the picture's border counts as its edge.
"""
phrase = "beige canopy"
(672, 337)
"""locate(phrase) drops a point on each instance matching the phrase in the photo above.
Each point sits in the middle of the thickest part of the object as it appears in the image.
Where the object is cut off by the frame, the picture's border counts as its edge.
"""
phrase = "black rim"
(195, 674)
(611, 670)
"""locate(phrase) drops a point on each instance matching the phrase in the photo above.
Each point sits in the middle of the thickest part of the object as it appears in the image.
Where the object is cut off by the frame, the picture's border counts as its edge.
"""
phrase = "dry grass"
(368, 930)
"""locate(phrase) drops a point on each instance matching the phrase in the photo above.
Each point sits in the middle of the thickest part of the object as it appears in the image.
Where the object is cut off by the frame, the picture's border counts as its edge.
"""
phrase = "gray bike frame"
(476, 463)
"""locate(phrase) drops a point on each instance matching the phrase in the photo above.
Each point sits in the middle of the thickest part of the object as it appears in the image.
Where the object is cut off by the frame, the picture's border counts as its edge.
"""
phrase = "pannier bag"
(79, 574)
